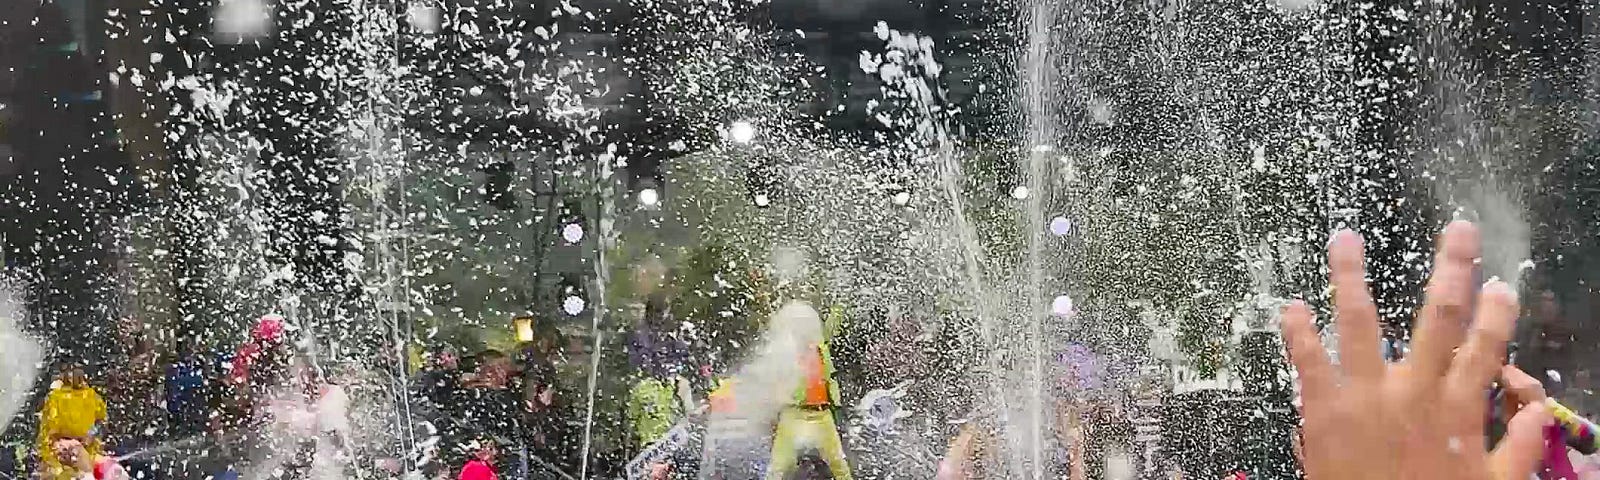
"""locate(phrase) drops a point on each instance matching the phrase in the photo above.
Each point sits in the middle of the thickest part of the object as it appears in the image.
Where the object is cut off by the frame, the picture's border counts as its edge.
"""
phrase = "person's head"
(494, 365)
(657, 316)
(443, 359)
(269, 330)
(72, 376)
(485, 450)
(128, 330)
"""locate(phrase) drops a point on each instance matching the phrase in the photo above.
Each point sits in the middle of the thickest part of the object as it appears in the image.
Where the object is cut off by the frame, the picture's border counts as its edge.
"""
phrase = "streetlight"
(573, 305)
(742, 132)
(572, 232)
(649, 197)
(236, 21)
(423, 17)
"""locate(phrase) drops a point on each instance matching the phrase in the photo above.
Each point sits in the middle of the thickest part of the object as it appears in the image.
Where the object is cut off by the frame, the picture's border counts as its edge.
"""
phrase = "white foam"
(19, 367)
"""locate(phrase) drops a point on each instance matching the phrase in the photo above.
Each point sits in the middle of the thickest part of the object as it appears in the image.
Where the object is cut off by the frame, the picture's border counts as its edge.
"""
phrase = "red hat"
(269, 328)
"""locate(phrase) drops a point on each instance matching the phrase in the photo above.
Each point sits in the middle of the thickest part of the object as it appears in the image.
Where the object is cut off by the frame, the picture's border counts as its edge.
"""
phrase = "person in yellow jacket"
(807, 422)
(73, 410)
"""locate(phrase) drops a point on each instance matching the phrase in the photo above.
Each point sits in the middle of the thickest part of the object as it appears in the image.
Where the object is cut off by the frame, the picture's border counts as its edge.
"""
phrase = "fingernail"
(1499, 288)
(1343, 234)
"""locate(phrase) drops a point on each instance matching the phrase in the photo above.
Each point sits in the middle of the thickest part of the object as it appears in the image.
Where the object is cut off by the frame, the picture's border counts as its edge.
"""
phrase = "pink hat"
(269, 328)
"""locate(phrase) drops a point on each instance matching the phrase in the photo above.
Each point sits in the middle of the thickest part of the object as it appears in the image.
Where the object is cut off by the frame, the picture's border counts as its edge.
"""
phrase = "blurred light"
(1019, 193)
(902, 198)
(423, 17)
(762, 200)
(524, 326)
(572, 233)
(1101, 112)
(742, 132)
(235, 21)
(573, 305)
(1061, 306)
(649, 197)
(1060, 226)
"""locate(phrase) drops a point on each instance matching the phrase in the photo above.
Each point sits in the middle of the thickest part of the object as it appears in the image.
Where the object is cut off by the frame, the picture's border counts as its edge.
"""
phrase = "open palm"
(1421, 418)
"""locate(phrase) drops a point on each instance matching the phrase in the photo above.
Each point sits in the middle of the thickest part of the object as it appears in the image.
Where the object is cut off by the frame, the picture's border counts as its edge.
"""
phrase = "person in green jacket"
(807, 422)
(653, 409)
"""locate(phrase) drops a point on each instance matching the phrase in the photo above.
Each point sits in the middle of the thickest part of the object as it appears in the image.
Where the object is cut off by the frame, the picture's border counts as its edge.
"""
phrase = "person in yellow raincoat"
(74, 410)
(807, 422)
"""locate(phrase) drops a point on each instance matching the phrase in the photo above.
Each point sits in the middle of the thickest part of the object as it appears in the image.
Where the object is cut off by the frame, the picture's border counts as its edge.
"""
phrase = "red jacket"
(478, 470)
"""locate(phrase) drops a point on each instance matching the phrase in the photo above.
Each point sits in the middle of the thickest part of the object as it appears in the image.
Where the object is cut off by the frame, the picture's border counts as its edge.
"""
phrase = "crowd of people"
(267, 409)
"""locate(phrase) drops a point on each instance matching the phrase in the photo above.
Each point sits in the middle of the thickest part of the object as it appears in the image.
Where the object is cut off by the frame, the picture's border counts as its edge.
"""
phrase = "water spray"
(19, 367)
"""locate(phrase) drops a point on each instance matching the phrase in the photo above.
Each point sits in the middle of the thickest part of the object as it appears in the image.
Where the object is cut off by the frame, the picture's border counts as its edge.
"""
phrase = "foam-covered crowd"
(1454, 405)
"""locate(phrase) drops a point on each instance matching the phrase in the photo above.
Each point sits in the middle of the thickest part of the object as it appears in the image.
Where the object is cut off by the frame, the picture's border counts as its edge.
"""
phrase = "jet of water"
(19, 367)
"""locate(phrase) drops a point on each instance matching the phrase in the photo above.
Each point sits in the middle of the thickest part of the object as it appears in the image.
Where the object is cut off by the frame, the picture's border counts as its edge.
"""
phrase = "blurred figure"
(490, 402)
(81, 463)
(185, 392)
(133, 395)
(272, 389)
(258, 367)
(441, 379)
(9, 470)
(732, 449)
(1550, 343)
(970, 452)
(976, 450)
(541, 382)
(187, 408)
(75, 411)
(654, 345)
(807, 422)
(335, 446)
(659, 358)
(653, 408)
(438, 391)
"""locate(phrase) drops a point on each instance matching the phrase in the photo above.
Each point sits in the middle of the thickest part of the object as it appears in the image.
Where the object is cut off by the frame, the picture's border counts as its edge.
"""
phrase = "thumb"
(1522, 448)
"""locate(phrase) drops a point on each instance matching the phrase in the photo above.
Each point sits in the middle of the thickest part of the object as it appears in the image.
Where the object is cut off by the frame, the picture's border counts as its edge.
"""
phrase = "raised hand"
(1422, 418)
